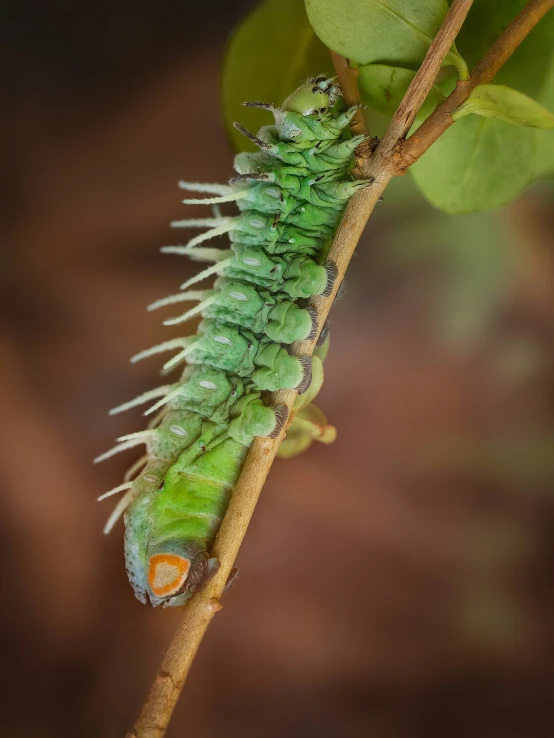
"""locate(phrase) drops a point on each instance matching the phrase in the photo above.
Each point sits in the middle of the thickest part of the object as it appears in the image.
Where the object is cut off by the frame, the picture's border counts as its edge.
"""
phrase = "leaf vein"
(473, 155)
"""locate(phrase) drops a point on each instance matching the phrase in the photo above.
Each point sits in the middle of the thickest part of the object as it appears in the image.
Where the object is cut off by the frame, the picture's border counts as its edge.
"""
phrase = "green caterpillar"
(290, 197)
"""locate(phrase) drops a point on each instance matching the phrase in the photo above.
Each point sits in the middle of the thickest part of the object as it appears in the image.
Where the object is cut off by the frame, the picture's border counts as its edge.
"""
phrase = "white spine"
(214, 189)
(191, 313)
(141, 399)
(180, 297)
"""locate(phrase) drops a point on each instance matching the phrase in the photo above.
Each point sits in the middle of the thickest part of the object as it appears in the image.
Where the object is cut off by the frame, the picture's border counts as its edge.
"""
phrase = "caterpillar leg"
(332, 274)
(253, 418)
(281, 417)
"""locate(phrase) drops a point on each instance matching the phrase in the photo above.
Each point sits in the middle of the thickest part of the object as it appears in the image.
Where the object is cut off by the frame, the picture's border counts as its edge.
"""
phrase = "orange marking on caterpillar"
(167, 573)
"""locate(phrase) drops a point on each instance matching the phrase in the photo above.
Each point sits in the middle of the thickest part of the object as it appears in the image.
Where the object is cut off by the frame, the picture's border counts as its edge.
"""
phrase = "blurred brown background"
(397, 584)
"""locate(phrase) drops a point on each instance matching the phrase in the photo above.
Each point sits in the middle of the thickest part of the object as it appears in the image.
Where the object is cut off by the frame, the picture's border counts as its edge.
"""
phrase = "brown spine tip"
(251, 136)
(262, 105)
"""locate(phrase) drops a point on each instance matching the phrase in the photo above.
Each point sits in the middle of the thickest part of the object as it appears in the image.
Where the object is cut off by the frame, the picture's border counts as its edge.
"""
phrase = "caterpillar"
(290, 197)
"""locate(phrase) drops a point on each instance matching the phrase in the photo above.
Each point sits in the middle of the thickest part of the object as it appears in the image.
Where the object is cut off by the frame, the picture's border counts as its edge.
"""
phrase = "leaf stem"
(457, 60)
(380, 169)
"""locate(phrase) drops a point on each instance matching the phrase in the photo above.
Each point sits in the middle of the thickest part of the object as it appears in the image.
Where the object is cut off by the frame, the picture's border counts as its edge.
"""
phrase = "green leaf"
(525, 70)
(478, 164)
(395, 32)
(544, 168)
(268, 55)
(382, 87)
(504, 103)
(544, 156)
(475, 261)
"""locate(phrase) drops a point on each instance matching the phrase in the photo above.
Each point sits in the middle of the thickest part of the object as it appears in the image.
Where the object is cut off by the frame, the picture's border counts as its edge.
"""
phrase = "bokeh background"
(397, 584)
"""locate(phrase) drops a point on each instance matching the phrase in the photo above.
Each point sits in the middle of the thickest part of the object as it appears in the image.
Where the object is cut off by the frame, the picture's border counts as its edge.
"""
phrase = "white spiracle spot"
(207, 385)
(239, 296)
(250, 261)
(222, 339)
(151, 479)
(177, 430)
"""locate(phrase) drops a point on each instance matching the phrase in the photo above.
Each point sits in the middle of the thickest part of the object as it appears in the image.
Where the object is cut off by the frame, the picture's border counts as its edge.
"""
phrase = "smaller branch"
(347, 78)
(425, 77)
(499, 53)
(348, 82)
(507, 43)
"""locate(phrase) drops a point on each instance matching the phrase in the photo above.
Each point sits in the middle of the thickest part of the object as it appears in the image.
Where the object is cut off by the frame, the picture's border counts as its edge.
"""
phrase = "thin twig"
(170, 678)
(348, 81)
(499, 53)
(424, 79)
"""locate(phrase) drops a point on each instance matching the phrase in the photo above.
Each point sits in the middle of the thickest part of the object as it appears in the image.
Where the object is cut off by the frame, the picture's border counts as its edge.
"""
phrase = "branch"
(347, 79)
(425, 77)
(380, 169)
(348, 82)
(499, 53)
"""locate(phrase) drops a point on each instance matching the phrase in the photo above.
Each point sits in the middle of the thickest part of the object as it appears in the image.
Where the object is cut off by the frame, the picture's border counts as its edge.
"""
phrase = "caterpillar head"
(176, 569)
(316, 95)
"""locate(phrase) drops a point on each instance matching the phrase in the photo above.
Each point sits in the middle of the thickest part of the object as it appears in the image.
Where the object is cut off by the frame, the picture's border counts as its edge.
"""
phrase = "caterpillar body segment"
(224, 346)
(260, 311)
(296, 276)
(254, 228)
(290, 197)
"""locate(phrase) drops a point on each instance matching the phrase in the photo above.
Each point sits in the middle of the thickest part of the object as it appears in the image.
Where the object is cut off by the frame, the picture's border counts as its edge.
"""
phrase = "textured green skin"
(297, 277)
(236, 350)
(197, 488)
(287, 274)
(291, 196)
(232, 404)
(260, 311)
(304, 131)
